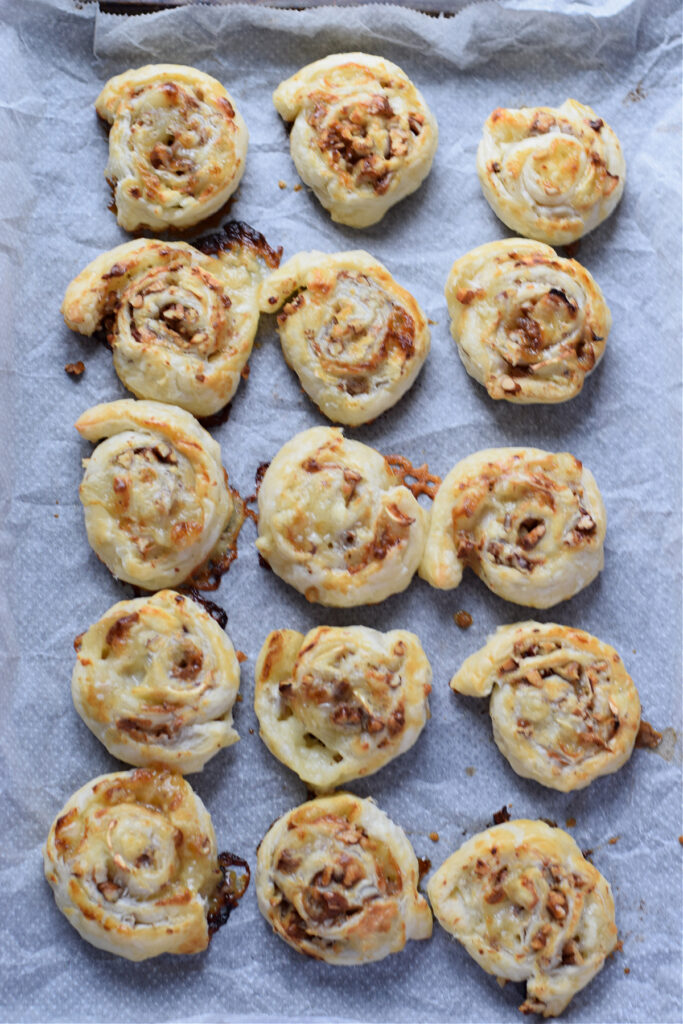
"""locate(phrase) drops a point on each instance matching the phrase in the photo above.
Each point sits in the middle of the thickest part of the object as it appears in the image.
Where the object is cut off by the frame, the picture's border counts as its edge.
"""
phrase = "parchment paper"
(623, 58)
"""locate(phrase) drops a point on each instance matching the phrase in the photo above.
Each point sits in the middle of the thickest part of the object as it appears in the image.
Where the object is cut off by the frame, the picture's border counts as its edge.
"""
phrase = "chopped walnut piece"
(557, 904)
(540, 938)
(75, 369)
(501, 816)
(463, 619)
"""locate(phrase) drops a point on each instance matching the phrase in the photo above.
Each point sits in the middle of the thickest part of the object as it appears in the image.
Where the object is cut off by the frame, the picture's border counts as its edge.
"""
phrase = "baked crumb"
(463, 619)
(282, 184)
(75, 369)
(434, 836)
(570, 822)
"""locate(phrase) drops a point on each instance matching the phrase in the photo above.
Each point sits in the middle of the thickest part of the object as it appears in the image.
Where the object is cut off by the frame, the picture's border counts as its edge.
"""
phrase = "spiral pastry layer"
(181, 322)
(564, 709)
(363, 137)
(529, 325)
(550, 173)
(337, 880)
(177, 146)
(335, 522)
(133, 865)
(340, 703)
(156, 679)
(353, 336)
(154, 491)
(527, 906)
(530, 523)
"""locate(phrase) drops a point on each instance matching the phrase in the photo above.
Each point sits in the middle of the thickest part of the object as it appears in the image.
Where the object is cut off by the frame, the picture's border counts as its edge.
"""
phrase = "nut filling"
(530, 523)
(529, 325)
(340, 703)
(335, 522)
(528, 907)
(177, 146)
(563, 708)
(363, 137)
(338, 881)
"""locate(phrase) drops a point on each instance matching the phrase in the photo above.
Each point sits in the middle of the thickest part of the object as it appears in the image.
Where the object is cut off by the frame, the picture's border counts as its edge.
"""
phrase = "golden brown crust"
(550, 173)
(337, 880)
(563, 707)
(156, 679)
(340, 703)
(363, 136)
(133, 864)
(335, 522)
(354, 337)
(529, 325)
(181, 322)
(154, 491)
(177, 146)
(530, 523)
(527, 906)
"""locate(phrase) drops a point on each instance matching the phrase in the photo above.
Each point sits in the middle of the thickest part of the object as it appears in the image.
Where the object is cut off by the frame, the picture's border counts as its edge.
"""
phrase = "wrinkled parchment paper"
(622, 57)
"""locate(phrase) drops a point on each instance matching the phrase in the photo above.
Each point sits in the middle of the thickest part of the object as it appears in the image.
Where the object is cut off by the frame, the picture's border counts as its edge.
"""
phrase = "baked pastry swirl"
(354, 337)
(564, 709)
(528, 324)
(156, 679)
(550, 173)
(530, 523)
(340, 703)
(363, 137)
(336, 523)
(527, 906)
(132, 861)
(181, 322)
(177, 146)
(337, 880)
(154, 491)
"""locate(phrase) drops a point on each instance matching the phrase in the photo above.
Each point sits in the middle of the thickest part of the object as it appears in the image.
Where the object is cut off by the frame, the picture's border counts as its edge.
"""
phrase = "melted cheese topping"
(529, 325)
(335, 523)
(132, 862)
(550, 173)
(156, 679)
(528, 907)
(154, 491)
(363, 136)
(530, 523)
(353, 336)
(337, 880)
(181, 323)
(563, 707)
(177, 146)
(340, 703)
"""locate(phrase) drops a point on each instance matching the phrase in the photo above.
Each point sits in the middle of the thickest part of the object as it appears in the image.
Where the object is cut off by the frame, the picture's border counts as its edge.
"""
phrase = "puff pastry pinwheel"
(133, 865)
(156, 679)
(527, 906)
(528, 324)
(564, 709)
(154, 491)
(177, 145)
(363, 137)
(337, 880)
(336, 523)
(550, 173)
(353, 336)
(340, 703)
(530, 523)
(181, 322)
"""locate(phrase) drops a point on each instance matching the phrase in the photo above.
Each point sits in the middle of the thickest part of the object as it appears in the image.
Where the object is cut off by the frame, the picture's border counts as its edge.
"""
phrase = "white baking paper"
(623, 58)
